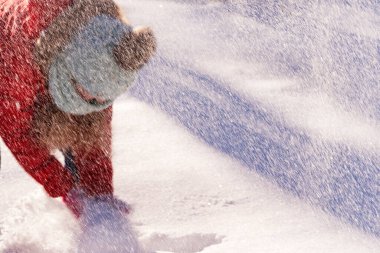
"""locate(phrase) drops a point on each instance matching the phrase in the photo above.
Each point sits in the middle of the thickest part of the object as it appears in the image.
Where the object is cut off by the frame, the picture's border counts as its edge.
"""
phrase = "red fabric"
(20, 81)
(95, 166)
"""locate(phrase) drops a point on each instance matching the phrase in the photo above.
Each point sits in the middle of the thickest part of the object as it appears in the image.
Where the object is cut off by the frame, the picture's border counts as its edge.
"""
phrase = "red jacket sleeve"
(37, 161)
(94, 164)
(20, 80)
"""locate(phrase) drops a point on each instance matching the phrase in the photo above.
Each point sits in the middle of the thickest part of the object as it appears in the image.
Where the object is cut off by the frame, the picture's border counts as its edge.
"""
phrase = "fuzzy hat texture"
(90, 56)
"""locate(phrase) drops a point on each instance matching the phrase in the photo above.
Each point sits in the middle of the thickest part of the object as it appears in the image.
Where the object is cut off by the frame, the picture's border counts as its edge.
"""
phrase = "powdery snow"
(186, 198)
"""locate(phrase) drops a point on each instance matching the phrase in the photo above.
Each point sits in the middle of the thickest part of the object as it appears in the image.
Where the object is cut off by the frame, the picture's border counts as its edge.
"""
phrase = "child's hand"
(75, 200)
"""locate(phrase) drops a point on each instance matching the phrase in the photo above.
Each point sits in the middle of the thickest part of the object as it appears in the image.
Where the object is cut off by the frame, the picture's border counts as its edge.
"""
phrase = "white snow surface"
(188, 197)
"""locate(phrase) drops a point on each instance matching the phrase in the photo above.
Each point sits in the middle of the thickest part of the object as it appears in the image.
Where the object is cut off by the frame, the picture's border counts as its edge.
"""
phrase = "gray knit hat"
(90, 55)
(85, 77)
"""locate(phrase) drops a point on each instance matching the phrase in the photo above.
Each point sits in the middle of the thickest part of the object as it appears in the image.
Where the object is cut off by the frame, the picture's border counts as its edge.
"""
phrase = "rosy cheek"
(86, 95)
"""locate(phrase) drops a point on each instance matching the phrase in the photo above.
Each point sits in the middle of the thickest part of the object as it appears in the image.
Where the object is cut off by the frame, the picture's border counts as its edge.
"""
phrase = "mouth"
(87, 96)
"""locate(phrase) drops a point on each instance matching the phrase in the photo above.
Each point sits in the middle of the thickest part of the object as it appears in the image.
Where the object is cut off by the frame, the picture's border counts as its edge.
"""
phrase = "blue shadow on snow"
(343, 181)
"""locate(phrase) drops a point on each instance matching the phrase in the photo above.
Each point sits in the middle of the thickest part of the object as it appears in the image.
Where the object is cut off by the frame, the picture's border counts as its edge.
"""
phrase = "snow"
(187, 196)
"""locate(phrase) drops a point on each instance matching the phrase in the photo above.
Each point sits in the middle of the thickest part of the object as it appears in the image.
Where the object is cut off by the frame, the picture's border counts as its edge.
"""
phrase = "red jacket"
(20, 81)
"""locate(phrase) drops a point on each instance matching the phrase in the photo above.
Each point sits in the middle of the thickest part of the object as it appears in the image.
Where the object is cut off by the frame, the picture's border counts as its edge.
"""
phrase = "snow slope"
(186, 196)
(192, 187)
(292, 95)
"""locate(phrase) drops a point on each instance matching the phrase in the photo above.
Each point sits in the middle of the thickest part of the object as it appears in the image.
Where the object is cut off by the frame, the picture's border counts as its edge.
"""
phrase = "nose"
(135, 48)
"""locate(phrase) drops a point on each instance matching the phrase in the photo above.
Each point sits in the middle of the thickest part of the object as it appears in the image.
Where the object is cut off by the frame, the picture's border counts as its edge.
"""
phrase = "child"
(55, 96)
